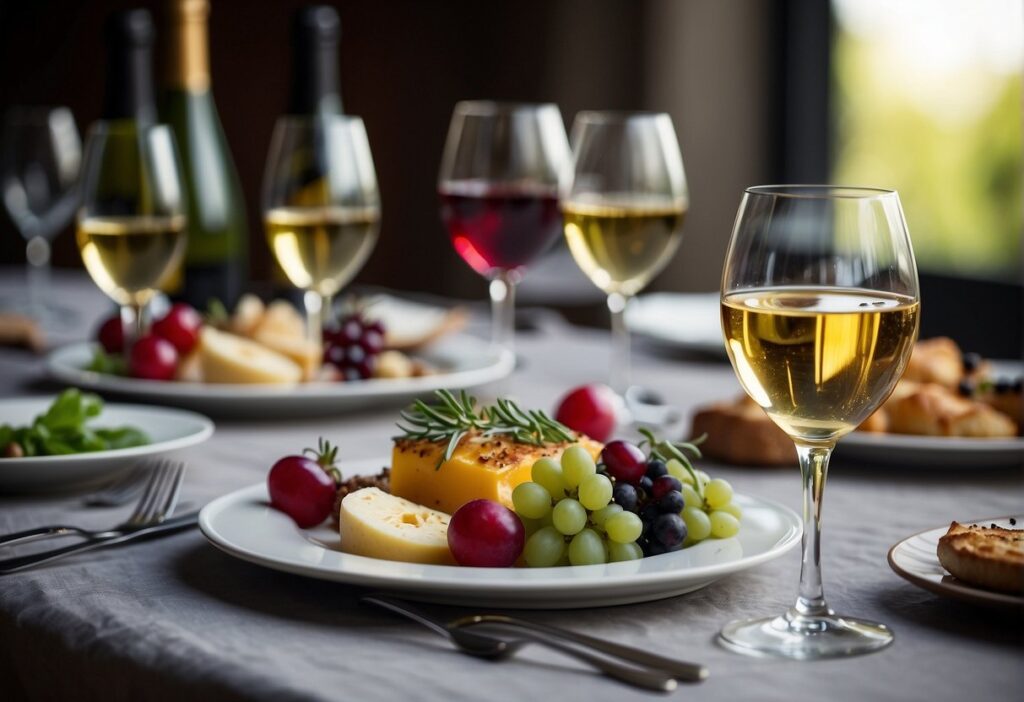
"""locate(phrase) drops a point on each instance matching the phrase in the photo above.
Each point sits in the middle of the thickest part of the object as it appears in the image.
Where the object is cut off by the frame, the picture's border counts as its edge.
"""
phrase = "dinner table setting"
(309, 487)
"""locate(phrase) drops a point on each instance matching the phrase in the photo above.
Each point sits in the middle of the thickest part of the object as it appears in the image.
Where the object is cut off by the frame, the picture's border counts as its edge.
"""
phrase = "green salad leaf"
(62, 430)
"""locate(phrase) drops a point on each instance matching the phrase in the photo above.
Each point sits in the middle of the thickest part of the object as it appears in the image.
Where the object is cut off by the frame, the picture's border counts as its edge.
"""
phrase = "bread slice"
(740, 432)
(932, 410)
(990, 557)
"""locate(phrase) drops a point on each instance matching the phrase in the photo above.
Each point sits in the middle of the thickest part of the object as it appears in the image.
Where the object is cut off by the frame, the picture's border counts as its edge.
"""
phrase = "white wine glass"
(41, 155)
(132, 215)
(502, 167)
(321, 207)
(624, 211)
(820, 311)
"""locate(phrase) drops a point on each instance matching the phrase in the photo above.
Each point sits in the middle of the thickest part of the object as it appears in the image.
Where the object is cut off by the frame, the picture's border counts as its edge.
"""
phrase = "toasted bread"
(740, 432)
(932, 410)
(990, 557)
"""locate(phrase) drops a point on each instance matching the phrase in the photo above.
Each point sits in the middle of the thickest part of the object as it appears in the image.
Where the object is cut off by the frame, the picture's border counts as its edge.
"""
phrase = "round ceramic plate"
(244, 525)
(464, 362)
(686, 322)
(915, 559)
(168, 430)
(932, 451)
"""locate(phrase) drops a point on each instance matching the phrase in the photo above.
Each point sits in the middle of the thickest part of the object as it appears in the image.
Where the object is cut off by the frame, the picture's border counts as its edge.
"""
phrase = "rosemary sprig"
(454, 417)
(667, 450)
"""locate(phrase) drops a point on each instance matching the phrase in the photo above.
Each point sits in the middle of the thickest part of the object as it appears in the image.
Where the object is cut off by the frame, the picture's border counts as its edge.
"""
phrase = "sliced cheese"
(375, 524)
(226, 358)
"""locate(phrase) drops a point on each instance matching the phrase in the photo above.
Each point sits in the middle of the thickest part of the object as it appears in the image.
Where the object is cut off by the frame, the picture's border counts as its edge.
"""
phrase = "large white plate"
(168, 430)
(465, 362)
(687, 322)
(931, 451)
(915, 559)
(244, 525)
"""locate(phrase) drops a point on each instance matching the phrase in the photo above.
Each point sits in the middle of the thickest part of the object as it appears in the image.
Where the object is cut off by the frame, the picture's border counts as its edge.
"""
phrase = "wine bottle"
(316, 32)
(216, 259)
(128, 95)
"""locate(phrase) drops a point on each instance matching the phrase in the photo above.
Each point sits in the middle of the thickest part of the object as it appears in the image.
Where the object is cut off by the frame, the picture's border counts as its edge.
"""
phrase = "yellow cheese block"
(375, 524)
(482, 467)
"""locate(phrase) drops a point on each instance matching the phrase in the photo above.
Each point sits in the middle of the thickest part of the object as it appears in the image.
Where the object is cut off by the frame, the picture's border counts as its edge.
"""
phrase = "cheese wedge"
(226, 358)
(375, 524)
(481, 467)
(298, 348)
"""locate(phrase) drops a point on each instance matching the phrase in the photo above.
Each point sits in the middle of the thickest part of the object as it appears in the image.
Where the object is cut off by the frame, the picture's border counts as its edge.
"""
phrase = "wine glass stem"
(619, 376)
(813, 470)
(317, 306)
(37, 253)
(133, 323)
(503, 311)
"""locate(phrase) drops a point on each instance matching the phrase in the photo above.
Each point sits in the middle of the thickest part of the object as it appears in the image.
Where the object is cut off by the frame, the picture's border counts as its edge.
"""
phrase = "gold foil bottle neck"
(188, 64)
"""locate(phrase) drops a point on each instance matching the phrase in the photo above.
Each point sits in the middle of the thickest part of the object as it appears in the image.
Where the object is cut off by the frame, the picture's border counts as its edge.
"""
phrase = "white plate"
(465, 362)
(245, 526)
(688, 322)
(168, 430)
(931, 451)
(916, 560)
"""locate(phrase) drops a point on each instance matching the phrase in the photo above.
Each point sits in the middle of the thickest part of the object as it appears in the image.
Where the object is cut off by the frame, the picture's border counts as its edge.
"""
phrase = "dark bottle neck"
(316, 33)
(129, 90)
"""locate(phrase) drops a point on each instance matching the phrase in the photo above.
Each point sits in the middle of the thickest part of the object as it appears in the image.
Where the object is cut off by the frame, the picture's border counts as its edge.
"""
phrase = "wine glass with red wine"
(499, 182)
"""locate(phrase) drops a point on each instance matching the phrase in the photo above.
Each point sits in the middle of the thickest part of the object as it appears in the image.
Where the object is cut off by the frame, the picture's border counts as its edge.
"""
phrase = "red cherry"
(624, 461)
(153, 358)
(485, 534)
(590, 410)
(302, 489)
(111, 335)
(180, 326)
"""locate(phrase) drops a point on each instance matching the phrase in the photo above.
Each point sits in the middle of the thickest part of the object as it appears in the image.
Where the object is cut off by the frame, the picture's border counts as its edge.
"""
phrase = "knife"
(12, 565)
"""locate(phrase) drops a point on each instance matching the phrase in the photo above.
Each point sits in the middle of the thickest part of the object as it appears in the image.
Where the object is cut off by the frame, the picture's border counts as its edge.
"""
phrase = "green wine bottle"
(218, 238)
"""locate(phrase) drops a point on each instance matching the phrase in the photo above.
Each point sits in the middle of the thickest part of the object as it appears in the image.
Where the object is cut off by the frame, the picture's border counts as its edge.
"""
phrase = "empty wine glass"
(42, 153)
(820, 309)
(321, 207)
(498, 183)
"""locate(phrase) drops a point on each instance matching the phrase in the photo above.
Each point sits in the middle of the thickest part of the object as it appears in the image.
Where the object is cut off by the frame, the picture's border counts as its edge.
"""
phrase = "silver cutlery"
(681, 670)
(13, 565)
(122, 490)
(494, 648)
(157, 502)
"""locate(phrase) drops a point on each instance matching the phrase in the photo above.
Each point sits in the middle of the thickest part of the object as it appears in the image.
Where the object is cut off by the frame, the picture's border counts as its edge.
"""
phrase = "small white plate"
(464, 362)
(168, 430)
(244, 525)
(687, 322)
(915, 559)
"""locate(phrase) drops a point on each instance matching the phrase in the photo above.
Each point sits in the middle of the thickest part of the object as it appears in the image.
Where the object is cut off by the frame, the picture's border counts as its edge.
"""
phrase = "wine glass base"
(802, 637)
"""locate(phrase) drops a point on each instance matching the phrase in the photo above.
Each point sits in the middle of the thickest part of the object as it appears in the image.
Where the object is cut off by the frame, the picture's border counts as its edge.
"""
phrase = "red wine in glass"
(500, 228)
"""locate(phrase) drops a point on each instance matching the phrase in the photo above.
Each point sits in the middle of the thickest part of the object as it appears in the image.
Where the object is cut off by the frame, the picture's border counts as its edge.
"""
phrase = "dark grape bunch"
(353, 346)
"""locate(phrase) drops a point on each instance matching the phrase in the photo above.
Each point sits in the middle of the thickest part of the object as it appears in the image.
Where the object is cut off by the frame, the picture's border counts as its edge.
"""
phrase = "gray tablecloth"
(171, 618)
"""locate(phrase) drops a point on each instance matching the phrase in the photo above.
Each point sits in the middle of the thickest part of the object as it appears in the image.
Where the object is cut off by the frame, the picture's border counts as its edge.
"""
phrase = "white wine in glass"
(624, 210)
(820, 311)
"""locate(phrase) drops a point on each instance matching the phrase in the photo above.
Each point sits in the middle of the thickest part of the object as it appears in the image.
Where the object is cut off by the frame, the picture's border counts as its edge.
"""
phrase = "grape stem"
(665, 450)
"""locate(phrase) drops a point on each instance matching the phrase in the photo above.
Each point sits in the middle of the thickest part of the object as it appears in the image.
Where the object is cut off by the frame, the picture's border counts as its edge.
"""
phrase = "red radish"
(304, 488)
(180, 326)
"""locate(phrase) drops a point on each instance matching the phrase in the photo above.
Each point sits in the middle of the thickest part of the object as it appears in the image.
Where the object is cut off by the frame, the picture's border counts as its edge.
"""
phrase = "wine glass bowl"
(41, 156)
(498, 184)
(131, 221)
(321, 207)
(820, 311)
(624, 210)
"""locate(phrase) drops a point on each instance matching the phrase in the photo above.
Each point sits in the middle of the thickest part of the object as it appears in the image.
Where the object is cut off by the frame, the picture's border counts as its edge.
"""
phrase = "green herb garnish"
(62, 430)
(454, 417)
(109, 363)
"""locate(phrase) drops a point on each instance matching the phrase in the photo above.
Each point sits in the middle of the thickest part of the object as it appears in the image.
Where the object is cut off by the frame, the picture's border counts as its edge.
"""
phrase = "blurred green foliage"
(960, 181)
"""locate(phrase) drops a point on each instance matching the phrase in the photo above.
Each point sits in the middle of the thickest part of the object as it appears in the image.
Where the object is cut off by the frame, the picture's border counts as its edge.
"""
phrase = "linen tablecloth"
(174, 618)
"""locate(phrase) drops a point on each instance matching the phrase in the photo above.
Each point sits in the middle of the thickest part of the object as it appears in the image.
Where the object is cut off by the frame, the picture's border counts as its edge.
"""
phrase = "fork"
(494, 648)
(122, 490)
(159, 497)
